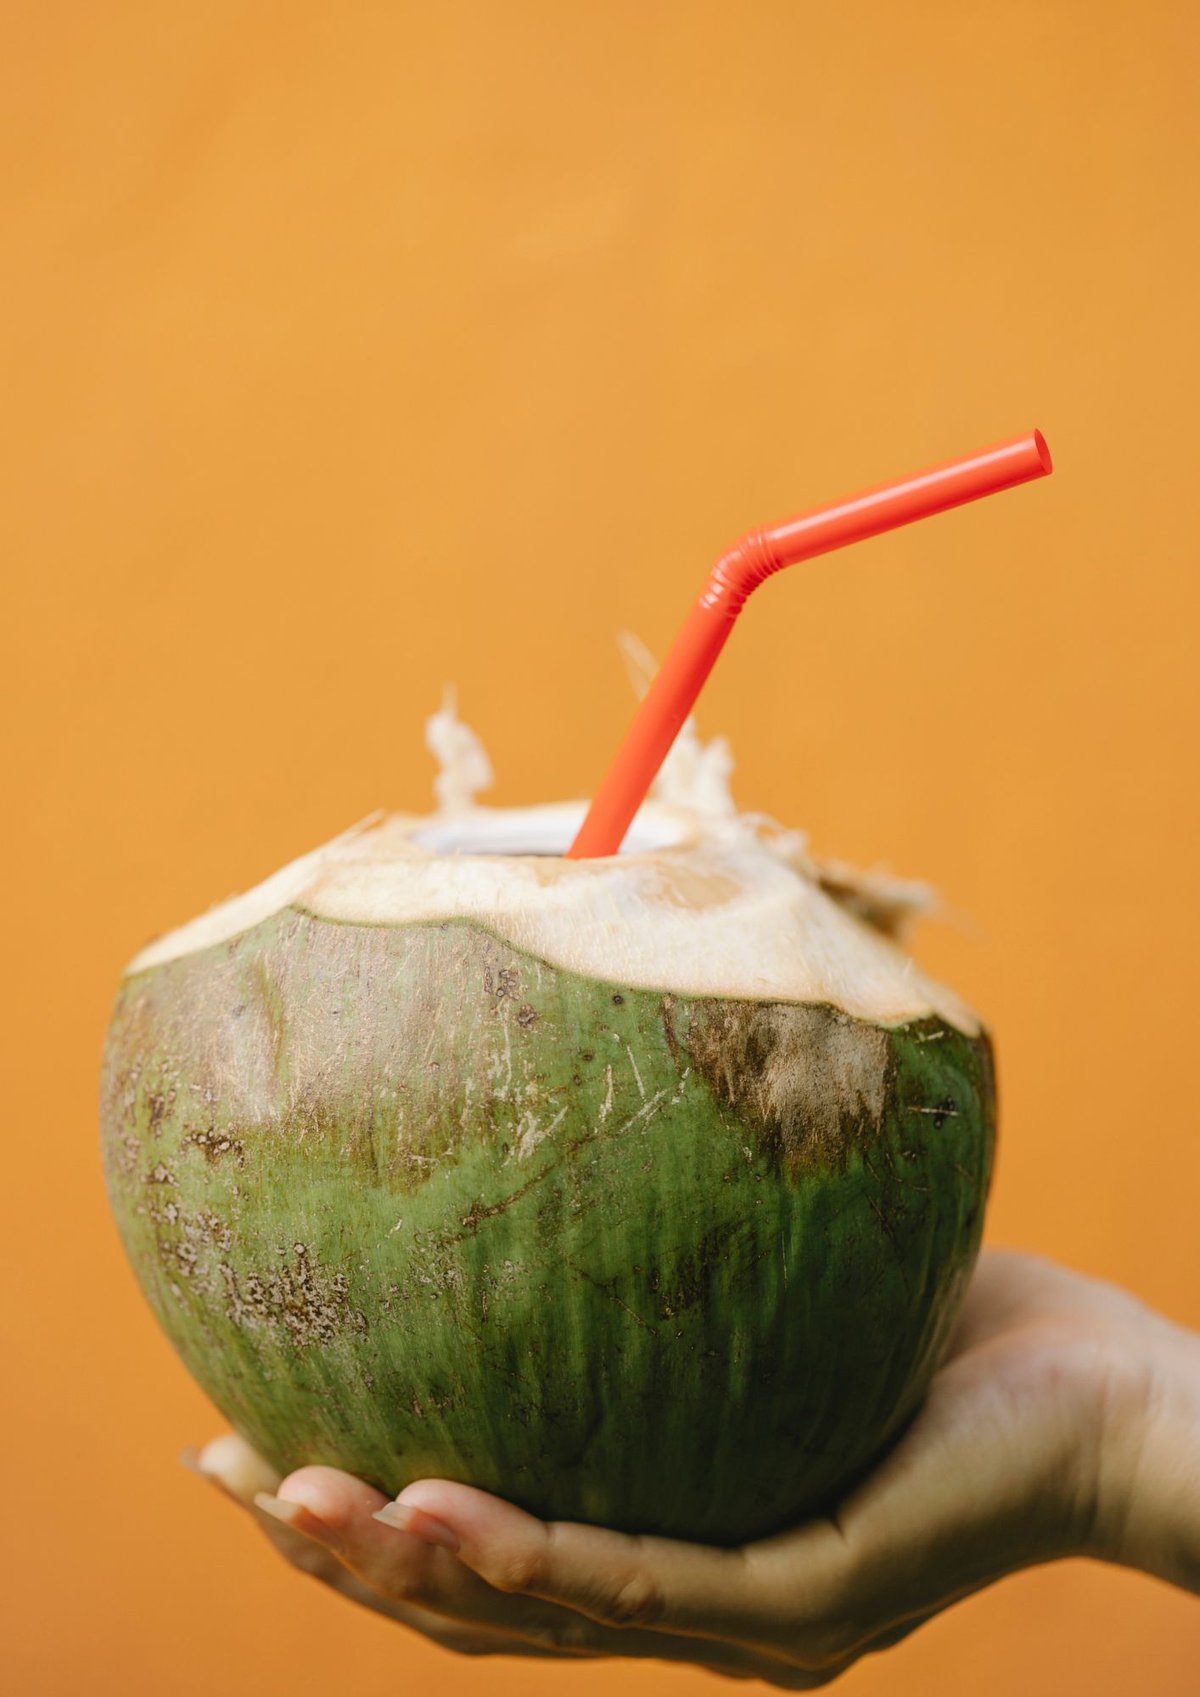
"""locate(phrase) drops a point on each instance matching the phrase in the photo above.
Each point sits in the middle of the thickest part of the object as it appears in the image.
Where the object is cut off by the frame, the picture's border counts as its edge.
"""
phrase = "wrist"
(1153, 1511)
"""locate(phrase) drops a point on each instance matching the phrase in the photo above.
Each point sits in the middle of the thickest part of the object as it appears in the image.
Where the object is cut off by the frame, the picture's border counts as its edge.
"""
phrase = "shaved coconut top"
(697, 905)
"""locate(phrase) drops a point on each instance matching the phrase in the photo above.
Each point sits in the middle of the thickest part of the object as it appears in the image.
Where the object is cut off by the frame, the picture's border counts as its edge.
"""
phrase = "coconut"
(642, 1191)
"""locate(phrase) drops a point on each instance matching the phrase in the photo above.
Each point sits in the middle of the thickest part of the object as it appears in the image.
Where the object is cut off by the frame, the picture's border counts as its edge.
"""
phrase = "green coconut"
(641, 1191)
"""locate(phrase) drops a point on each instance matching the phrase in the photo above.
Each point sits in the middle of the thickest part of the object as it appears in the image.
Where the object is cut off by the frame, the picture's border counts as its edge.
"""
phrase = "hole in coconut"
(534, 831)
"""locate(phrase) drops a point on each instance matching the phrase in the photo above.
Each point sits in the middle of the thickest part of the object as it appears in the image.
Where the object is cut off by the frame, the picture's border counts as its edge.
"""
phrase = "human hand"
(1064, 1421)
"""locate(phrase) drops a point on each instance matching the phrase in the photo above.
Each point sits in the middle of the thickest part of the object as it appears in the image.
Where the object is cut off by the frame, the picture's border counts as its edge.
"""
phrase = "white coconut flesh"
(701, 900)
(693, 905)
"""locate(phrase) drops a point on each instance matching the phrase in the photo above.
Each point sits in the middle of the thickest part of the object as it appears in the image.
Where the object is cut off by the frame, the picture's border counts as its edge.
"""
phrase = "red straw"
(760, 553)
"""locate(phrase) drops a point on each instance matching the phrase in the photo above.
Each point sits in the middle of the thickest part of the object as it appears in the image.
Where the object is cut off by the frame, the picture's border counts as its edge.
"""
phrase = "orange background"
(353, 348)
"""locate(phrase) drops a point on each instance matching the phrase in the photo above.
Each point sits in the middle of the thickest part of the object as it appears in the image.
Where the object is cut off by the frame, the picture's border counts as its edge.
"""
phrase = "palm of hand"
(1020, 1454)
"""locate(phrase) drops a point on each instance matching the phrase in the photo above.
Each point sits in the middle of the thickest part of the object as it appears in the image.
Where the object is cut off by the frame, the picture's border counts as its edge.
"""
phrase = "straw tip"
(1043, 453)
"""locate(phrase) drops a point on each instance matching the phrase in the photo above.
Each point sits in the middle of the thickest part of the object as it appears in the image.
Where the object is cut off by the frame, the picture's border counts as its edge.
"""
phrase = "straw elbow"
(740, 570)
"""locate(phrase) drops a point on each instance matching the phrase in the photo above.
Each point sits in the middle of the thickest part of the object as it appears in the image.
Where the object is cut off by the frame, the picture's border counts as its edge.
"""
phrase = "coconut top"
(728, 906)
(701, 900)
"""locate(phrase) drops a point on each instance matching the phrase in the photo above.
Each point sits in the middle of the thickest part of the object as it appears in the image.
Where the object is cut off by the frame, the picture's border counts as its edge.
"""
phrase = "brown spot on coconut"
(810, 1081)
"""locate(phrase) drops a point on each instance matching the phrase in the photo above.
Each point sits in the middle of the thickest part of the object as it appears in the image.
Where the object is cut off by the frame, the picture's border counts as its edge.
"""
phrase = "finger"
(235, 1469)
(233, 1466)
(240, 1474)
(342, 1502)
(338, 1510)
(760, 1595)
(425, 1571)
(310, 1542)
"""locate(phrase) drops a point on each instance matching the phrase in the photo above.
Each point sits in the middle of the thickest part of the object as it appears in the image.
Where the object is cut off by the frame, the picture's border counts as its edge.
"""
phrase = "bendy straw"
(750, 562)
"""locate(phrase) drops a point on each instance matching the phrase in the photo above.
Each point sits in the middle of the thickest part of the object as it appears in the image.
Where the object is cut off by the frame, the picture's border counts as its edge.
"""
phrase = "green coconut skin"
(411, 1203)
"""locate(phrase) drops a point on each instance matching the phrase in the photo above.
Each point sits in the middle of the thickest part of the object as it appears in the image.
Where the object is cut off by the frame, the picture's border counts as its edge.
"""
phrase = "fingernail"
(288, 1513)
(405, 1518)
